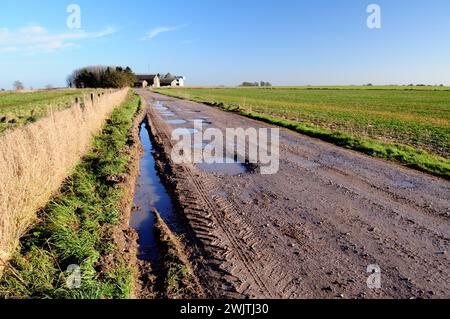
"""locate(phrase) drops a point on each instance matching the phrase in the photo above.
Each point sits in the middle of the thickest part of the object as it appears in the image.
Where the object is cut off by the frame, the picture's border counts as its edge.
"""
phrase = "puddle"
(224, 169)
(185, 131)
(167, 114)
(160, 106)
(201, 120)
(150, 194)
(176, 122)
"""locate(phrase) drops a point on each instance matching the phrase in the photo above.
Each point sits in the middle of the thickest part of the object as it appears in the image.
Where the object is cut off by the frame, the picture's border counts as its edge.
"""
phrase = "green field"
(407, 124)
(17, 109)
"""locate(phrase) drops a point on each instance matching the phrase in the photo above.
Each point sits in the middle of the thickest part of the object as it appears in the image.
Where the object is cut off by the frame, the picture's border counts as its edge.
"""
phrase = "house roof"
(164, 79)
(146, 77)
(168, 79)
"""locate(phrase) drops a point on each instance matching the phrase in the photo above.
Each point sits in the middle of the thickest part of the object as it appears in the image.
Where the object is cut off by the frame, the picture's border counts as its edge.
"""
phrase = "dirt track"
(311, 230)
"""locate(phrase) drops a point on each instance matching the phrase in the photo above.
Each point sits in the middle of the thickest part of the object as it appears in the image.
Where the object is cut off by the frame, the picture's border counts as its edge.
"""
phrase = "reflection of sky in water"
(167, 114)
(185, 131)
(150, 194)
(222, 168)
(176, 122)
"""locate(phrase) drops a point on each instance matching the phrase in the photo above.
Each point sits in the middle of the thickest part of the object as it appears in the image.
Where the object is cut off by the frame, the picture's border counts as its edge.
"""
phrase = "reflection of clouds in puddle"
(185, 131)
(223, 168)
(176, 122)
(201, 120)
(167, 114)
(160, 106)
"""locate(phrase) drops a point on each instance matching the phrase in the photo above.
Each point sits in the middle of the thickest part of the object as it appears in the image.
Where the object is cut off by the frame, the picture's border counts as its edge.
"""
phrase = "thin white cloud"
(153, 33)
(35, 39)
(32, 29)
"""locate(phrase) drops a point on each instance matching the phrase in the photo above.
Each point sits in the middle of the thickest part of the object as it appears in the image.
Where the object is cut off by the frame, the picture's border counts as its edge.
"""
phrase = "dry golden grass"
(35, 160)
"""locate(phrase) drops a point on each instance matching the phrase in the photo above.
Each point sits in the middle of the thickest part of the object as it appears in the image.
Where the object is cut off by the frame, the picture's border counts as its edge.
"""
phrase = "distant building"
(171, 80)
(146, 80)
(157, 80)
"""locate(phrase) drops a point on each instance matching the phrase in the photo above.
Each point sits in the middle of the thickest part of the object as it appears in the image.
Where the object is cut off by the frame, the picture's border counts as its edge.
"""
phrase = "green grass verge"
(404, 154)
(76, 226)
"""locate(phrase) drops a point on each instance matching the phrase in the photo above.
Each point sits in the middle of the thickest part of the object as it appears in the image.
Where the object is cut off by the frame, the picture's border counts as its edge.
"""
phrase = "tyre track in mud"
(237, 248)
(311, 230)
(205, 215)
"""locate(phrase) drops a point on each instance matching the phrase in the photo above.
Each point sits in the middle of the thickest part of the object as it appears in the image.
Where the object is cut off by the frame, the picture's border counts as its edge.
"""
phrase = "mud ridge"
(177, 279)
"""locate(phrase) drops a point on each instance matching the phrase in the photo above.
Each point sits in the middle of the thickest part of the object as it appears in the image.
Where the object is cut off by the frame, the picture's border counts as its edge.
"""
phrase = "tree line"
(255, 84)
(102, 77)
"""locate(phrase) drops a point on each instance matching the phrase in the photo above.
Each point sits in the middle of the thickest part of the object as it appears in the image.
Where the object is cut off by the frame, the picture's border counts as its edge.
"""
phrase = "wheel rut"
(229, 249)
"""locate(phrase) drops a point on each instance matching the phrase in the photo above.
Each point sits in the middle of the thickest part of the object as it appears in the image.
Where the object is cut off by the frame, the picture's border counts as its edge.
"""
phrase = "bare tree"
(18, 86)
(49, 87)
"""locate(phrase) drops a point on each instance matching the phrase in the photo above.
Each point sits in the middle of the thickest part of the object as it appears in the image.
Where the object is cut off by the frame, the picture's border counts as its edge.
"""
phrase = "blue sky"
(225, 42)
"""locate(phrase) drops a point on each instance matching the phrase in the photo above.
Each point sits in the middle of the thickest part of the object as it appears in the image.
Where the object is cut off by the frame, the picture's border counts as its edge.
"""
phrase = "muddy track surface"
(312, 229)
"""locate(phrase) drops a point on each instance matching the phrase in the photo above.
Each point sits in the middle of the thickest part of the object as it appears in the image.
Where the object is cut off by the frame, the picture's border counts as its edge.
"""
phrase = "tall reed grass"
(35, 160)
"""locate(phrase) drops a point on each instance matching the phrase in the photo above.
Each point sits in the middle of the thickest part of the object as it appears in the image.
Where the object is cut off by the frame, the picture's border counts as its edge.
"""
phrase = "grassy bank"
(380, 125)
(18, 109)
(76, 226)
(37, 158)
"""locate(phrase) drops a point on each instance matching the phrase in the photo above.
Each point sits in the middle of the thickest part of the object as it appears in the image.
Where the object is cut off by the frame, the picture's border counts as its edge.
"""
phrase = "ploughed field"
(418, 117)
(18, 109)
